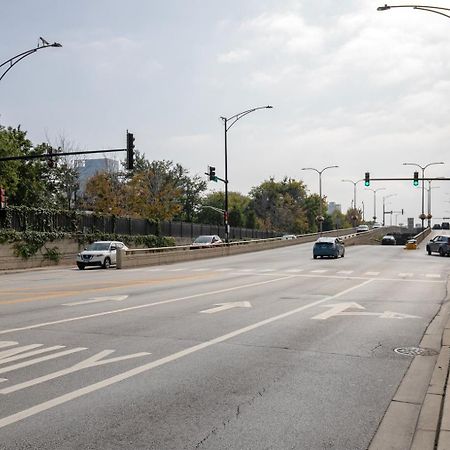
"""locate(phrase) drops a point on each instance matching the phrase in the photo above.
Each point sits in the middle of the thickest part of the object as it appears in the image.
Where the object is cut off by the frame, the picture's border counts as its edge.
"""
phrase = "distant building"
(87, 168)
(332, 207)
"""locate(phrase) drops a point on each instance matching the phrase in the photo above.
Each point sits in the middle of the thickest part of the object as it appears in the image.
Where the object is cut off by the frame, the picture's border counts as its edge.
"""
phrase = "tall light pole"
(384, 207)
(375, 201)
(228, 122)
(354, 194)
(433, 9)
(320, 217)
(422, 215)
(11, 62)
(429, 215)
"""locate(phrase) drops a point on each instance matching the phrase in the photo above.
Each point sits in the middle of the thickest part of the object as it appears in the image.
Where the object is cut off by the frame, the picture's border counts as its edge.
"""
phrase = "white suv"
(100, 253)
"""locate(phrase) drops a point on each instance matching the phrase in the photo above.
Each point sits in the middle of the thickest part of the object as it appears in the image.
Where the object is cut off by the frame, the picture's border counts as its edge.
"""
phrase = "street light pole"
(375, 201)
(384, 208)
(354, 195)
(429, 215)
(320, 218)
(11, 62)
(422, 215)
(433, 9)
(228, 122)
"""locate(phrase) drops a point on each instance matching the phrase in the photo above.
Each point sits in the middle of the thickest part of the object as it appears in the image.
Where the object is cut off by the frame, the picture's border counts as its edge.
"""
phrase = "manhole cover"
(415, 351)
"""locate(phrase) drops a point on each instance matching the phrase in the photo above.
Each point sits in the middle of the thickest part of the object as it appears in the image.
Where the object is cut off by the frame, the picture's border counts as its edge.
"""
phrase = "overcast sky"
(350, 86)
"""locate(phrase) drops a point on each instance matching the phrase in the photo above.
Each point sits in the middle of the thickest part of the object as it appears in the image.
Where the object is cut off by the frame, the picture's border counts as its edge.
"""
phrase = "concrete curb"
(418, 417)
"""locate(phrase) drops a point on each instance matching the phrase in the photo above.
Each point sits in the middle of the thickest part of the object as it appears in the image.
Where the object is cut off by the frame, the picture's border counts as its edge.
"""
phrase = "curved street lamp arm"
(433, 11)
(420, 7)
(433, 164)
(311, 168)
(328, 167)
(240, 115)
(15, 59)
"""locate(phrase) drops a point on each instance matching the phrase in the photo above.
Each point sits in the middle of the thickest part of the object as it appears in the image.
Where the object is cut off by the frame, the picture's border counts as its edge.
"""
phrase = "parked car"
(289, 236)
(206, 241)
(332, 247)
(362, 228)
(388, 240)
(439, 244)
(100, 253)
(445, 225)
(436, 226)
(376, 225)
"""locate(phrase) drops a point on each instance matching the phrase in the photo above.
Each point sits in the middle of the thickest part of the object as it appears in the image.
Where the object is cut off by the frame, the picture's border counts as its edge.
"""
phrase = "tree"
(280, 205)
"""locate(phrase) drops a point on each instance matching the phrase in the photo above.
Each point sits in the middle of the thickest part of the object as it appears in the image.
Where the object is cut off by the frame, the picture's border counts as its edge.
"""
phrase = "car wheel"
(315, 256)
(429, 250)
(106, 263)
(81, 266)
(343, 254)
(441, 252)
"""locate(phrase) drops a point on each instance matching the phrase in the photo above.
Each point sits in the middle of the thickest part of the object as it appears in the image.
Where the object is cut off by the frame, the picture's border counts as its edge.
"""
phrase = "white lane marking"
(113, 298)
(8, 420)
(33, 353)
(93, 361)
(405, 275)
(148, 305)
(433, 275)
(177, 270)
(201, 269)
(158, 269)
(41, 359)
(294, 270)
(346, 272)
(246, 270)
(319, 271)
(372, 274)
(266, 270)
(225, 306)
(14, 351)
(225, 269)
(339, 309)
(4, 344)
(335, 309)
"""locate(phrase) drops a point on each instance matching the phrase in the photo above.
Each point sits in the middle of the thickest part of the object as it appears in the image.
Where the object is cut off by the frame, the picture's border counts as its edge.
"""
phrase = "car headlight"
(79, 255)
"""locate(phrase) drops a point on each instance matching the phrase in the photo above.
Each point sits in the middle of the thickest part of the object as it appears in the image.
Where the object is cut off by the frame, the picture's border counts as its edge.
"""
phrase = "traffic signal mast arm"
(411, 179)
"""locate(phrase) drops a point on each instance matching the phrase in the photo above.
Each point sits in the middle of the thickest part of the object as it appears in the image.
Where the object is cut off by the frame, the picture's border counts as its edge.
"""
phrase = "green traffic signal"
(416, 179)
(367, 179)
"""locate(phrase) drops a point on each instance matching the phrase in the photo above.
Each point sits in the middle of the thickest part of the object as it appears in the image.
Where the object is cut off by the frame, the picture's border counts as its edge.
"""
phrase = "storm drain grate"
(415, 351)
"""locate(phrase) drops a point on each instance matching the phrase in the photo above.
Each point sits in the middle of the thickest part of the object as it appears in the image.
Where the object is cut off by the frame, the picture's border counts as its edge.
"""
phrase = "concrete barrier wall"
(158, 256)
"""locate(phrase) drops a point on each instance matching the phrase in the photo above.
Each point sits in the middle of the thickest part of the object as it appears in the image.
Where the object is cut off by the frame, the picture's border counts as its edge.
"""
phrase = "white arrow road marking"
(52, 403)
(335, 309)
(115, 298)
(339, 309)
(225, 306)
(93, 361)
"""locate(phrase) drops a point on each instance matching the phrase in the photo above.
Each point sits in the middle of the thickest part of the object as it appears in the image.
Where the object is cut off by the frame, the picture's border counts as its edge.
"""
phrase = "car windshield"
(203, 240)
(96, 246)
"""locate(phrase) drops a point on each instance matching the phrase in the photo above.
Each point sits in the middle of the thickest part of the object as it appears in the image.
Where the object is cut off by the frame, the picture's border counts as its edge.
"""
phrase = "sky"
(350, 86)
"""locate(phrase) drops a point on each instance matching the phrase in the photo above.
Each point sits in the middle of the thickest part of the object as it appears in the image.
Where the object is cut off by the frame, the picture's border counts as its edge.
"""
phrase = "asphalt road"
(268, 350)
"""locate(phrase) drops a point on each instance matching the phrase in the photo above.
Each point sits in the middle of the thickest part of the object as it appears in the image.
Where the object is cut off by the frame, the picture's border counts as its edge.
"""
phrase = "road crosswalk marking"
(405, 275)
(374, 274)
(319, 271)
(433, 275)
(294, 270)
(346, 272)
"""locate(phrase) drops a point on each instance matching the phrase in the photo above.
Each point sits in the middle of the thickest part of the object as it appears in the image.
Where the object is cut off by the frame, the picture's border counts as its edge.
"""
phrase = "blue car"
(332, 247)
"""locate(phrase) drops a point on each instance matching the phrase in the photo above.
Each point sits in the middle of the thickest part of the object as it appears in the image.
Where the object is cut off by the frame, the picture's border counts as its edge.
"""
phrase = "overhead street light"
(10, 63)
(375, 201)
(422, 215)
(354, 191)
(228, 122)
(384, 205)
(320, 217)
(433, 9)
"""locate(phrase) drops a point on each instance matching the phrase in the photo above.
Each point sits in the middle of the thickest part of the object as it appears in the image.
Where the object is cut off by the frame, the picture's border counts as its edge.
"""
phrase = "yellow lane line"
(54, 294)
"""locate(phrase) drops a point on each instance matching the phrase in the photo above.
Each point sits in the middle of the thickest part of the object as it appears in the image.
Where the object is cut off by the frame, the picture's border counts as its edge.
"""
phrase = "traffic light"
(367, 179)
(2, 198)
(416, 179)
(130, 151)
(212, 173)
